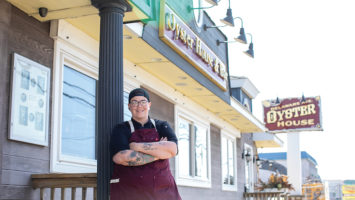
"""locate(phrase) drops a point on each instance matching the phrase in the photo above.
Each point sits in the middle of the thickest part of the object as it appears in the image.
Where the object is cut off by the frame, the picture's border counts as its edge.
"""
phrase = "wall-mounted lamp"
(212, 2)
(241, 38)
(250, 51)
(228, 20)
(246, 154)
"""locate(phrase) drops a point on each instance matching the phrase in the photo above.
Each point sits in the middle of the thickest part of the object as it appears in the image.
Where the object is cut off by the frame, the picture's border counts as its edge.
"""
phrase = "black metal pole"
(110, 94)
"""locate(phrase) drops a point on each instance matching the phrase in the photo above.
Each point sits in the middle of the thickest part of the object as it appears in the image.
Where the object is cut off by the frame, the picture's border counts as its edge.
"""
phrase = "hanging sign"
(175, 33)
(293, 114)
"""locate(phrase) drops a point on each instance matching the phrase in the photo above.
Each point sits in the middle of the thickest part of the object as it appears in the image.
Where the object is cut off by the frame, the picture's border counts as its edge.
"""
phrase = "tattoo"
(139, 159)
(148, 146)
(123, 152)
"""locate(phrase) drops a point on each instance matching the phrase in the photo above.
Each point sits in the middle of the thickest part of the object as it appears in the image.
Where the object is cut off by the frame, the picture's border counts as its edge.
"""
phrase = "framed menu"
(29, 109)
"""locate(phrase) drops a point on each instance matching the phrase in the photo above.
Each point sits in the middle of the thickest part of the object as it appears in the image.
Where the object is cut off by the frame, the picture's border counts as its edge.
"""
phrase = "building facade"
(277, 163)
(53, 127)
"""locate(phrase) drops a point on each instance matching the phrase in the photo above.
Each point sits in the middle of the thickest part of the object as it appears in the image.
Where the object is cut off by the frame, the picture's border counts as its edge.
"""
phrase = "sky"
(302, 47)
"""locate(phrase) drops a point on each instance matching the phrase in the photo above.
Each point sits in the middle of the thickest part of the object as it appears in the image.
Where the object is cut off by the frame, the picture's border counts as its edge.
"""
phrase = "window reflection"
(224, 161)
(184, 148)
(193, 151)
(201, 152)
(231, 162)
(78, 114)
(228, 160)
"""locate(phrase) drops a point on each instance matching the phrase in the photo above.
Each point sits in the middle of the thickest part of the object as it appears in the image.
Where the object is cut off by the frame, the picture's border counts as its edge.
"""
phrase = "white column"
(294, 166)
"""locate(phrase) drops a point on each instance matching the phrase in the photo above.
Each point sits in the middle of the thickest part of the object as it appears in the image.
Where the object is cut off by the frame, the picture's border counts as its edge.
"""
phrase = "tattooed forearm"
(132, 158)
(161, 150)
(137, 159)
(148, 146)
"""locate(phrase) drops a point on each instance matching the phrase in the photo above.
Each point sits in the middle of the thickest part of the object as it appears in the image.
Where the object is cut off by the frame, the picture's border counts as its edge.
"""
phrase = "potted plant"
(276, 182)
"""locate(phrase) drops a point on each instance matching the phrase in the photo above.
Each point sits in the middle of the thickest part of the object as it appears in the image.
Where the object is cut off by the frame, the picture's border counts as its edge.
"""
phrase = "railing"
(296, 197)
(271, 196)
(265, 196)
(63, 182)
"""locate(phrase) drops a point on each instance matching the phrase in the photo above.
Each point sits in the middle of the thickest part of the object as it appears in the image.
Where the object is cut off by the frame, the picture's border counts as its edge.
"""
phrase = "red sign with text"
(293, 114)
(178, 35)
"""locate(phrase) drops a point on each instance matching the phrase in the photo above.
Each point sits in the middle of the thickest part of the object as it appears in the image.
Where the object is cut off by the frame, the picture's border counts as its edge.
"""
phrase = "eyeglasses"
(135, 103)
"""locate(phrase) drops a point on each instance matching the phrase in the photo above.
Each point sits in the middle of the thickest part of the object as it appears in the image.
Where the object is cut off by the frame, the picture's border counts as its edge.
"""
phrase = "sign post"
(294, 165)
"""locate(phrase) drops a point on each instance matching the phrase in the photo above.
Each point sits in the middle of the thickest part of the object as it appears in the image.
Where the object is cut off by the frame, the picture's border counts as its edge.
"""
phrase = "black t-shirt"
(122, 132)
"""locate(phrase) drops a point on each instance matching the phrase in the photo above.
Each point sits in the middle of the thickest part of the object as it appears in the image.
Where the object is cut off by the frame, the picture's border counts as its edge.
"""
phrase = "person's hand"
(133, 146)
(164, 139)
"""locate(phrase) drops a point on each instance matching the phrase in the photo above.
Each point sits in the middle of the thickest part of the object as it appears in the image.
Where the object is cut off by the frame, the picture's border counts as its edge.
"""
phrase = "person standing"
(140, 150)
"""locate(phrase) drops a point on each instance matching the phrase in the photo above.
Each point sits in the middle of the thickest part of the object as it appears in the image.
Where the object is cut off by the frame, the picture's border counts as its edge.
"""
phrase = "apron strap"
(132, 127)
(153, 122)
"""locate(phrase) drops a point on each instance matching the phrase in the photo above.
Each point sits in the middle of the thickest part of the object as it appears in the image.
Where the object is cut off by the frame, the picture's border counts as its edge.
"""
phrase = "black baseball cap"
(138, 92)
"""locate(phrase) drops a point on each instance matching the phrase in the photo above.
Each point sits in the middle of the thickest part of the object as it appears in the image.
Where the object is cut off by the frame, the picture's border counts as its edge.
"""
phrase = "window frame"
(231, 137)
(195, 120)
(72, 47)
(67, 55)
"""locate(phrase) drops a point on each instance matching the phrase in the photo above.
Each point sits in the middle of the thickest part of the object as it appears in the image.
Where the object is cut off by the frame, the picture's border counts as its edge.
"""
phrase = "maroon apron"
(152, 181)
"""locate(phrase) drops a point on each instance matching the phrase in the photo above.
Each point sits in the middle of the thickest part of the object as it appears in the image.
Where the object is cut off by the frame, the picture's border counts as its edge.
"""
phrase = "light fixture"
(127, 37)
(181, 84)
(212, 2)
(246, 155)
(228, 20)
(156, 59)
(241, 38)
(303, 99)
(250, 51)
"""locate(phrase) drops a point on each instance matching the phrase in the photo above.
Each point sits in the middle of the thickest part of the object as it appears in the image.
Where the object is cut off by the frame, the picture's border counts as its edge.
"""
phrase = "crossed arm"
(144, 153)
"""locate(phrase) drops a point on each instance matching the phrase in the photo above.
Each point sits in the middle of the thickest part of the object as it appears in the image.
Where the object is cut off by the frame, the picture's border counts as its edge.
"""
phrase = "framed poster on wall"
(29, 103)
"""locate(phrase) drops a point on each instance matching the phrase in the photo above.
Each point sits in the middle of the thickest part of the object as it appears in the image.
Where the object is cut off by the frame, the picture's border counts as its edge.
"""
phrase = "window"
(228, 157)
(193, 159)
(74, 143)
(78, 115)
(74, 126)
(74, 100)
